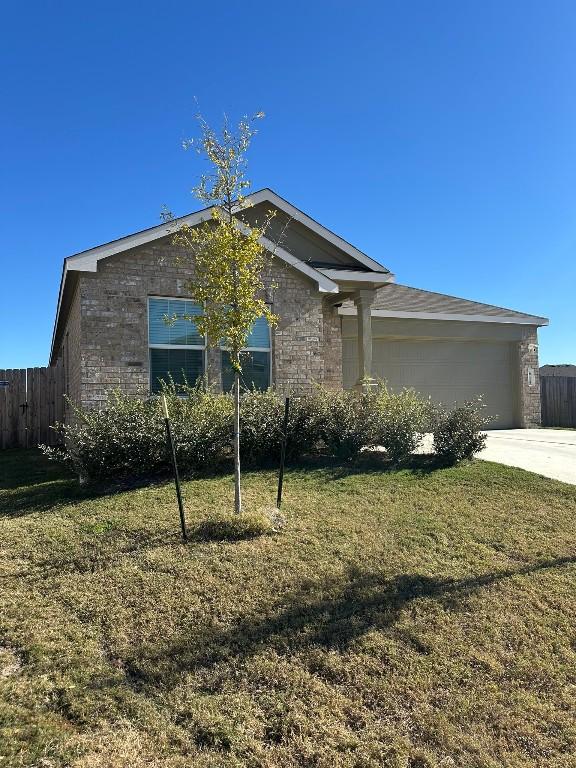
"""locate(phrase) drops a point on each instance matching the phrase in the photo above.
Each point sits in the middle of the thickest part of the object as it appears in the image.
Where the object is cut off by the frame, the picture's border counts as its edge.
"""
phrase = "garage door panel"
(457, 352)
(447, 371)
(448, 374)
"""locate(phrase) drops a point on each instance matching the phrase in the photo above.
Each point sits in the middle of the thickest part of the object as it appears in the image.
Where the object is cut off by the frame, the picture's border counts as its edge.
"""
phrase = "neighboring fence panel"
(31, 401)
(558, 396)
(45, 403)
(13, 408)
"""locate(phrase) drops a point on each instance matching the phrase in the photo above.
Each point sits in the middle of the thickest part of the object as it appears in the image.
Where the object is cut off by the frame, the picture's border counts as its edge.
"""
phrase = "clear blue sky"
(437, 136)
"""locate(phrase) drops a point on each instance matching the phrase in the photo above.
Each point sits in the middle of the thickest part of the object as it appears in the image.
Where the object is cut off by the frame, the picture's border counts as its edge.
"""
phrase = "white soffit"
(357, 276)
(522, 320)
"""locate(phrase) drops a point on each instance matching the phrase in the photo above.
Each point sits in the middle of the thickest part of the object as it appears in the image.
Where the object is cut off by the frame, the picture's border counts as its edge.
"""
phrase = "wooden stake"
(174, 468)
(283, 452)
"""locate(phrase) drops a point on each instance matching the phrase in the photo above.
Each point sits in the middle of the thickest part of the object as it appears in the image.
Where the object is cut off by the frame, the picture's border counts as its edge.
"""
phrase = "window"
(176, 350)
(255, 360)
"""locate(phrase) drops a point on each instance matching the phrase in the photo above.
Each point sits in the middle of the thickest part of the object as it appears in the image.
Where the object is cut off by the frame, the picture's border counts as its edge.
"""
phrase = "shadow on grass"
(45, 495)
(29, 482)
(330, 614)
(20, 468)
(41, 497)
(95, 554)
(367, 462)
(374, 462)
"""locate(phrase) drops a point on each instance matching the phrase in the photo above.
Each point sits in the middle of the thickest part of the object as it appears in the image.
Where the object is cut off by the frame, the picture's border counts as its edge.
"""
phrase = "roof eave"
(349, 279)
(56, 319)
(502, 319)
(63, 303)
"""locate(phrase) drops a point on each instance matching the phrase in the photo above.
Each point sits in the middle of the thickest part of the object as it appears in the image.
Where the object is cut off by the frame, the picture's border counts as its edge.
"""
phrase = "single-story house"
(342, 319)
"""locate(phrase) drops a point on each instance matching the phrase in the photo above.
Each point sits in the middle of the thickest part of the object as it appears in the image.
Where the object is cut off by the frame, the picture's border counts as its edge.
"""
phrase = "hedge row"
(127, 437)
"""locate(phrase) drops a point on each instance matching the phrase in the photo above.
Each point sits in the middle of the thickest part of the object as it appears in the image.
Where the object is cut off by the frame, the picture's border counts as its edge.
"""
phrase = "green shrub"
(262, 421)
(348, 422)
(457, 433)
(233, 527)
(402, 420)
(202, 425)
(126, 438)
(261, 415)
(304, 425)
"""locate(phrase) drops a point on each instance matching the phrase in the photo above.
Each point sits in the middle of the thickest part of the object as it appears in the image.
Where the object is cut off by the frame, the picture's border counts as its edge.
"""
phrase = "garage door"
(446, 370)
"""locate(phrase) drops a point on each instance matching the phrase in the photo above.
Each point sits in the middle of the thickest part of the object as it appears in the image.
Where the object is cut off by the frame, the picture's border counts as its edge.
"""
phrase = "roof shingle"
(402, 298)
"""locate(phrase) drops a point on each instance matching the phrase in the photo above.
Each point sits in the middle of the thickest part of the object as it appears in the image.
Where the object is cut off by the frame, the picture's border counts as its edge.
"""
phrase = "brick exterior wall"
(105, 341)
(530, 408)
(306, 344)
(70, 354)
(332, 344)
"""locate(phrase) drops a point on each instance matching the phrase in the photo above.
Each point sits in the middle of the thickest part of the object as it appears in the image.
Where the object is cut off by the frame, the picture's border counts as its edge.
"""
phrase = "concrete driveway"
(549, 452)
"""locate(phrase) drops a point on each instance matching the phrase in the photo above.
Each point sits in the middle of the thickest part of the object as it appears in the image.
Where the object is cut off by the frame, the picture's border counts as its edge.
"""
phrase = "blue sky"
(438, 137)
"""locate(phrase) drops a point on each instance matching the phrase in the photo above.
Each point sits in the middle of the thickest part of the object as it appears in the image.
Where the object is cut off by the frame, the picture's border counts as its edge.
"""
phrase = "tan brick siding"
(530, 408)
(70, 355)
(332, 343)
(306, 344)
(297, 340)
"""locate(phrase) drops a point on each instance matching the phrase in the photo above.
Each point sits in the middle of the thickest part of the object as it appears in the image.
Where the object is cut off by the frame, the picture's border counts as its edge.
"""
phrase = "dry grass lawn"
(402, 619)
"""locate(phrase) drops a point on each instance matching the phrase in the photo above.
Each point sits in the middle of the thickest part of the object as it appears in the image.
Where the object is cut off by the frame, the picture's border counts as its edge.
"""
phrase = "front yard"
(406, 619)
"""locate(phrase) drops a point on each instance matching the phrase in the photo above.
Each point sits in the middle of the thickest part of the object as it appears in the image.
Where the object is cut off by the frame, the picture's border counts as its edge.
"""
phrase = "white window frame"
(258, 349)
(203, 348)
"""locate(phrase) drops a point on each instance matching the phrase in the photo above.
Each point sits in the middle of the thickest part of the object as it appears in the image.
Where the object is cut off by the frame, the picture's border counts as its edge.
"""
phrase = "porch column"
(529, 379)
(363, 300)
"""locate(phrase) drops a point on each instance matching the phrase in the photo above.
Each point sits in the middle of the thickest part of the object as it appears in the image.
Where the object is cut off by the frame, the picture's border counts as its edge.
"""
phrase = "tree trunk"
(237, 490)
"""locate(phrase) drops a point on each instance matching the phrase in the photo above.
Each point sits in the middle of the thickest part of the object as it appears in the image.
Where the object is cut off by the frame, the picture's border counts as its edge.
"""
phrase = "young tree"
(226, 255)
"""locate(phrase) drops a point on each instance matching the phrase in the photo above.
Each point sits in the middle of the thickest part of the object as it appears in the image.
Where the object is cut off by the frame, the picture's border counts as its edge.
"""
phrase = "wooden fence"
(558, 397)
(31, 401)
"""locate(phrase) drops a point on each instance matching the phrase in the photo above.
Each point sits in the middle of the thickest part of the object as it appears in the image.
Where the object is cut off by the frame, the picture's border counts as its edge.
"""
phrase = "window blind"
(176, 348)
(255, 370)
(182, 366)
(181, 332)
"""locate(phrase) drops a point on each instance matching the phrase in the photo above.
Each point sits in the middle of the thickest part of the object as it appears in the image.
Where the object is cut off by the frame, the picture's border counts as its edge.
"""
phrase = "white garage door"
(446, 370)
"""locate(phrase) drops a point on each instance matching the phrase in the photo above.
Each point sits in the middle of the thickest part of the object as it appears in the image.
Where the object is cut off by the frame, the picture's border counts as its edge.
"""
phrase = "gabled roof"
(402, 301)
(269, 196)
(87, 261)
